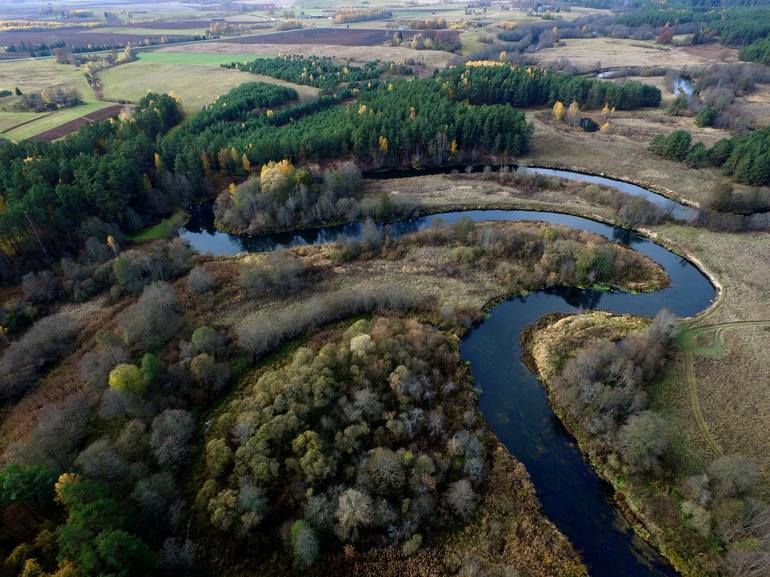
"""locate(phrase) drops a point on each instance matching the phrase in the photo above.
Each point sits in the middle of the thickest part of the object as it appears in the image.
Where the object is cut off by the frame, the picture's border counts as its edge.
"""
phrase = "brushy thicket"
(264, 331)
(370, 438)
(286, 198)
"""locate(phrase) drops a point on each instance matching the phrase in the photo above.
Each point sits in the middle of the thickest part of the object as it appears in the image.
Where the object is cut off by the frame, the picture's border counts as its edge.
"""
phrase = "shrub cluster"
(368, 438)
(286, 198)
(603, 389)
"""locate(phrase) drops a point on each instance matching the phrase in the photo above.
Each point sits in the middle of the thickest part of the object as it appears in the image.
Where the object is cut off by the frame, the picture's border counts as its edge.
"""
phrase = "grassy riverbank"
(659, 505)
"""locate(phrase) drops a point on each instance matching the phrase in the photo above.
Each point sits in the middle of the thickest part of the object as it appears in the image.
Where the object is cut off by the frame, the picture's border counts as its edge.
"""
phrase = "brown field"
(431, 59)
(712, 52)
(335, 36)
(169, 24)
(73, 125)
(755, 106)
(592, 53)
(74, 38)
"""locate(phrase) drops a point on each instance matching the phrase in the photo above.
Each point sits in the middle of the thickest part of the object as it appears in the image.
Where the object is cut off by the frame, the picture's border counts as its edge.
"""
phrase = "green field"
(49, 121)
(10, 119)
(34, 76)
(164, 229)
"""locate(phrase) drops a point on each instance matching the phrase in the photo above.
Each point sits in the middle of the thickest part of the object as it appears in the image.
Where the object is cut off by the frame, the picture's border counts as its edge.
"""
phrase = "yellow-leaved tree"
(573, 114)
(558, 111)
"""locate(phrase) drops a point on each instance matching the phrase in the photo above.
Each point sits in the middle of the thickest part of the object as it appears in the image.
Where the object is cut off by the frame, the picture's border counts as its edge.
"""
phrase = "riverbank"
(647, 505)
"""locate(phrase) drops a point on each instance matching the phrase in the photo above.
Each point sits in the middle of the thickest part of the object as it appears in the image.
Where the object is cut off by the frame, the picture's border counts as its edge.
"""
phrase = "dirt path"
(715, 350)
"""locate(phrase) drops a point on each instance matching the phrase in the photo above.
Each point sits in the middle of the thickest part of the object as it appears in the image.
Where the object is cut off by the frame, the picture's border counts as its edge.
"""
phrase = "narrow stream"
(513, 401)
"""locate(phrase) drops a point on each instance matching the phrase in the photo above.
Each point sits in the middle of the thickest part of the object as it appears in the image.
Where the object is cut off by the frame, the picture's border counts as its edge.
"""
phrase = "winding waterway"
(513, 401)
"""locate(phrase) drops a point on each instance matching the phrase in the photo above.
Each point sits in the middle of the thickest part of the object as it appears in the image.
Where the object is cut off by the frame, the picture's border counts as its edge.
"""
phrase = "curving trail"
(715, 350)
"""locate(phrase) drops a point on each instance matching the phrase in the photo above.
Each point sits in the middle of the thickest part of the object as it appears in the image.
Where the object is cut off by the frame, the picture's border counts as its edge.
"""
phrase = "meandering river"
(513, 401)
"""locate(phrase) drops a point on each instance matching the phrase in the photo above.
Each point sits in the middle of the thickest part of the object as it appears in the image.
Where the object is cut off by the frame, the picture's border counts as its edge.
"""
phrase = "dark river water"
(513, 401)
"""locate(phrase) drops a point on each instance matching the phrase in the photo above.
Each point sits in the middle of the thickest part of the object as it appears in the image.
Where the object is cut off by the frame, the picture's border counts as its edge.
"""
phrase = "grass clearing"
(586, 53)
(9, 120)
(164, 229)
(35, 75)
(197, 85)
(720, 378)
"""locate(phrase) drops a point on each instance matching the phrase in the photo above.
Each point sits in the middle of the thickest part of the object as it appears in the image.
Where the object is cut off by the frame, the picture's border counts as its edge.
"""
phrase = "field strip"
(15, 126)
(692, 387)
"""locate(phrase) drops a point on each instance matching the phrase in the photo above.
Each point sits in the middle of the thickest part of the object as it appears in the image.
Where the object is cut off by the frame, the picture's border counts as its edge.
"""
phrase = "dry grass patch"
(618, 155)
(432, 59)
(196, 85)
(731, 367)
(585, 53)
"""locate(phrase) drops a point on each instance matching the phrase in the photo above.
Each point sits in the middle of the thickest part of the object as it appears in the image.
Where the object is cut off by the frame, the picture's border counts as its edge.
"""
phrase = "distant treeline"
(529, 86)
(322, 73)
(734, 25)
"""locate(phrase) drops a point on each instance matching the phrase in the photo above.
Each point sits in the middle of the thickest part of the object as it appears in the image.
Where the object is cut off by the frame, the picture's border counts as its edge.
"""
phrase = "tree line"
(734, 25)
(758, 51)
(500, 83)
(745, 157)
(321, 72)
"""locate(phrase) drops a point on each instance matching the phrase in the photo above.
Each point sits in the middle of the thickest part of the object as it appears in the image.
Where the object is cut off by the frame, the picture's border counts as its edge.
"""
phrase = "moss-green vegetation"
(164, 229)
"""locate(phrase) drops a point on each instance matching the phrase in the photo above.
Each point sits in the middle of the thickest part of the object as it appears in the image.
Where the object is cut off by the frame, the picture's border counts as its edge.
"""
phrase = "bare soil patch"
(73, 125)
(74, 38)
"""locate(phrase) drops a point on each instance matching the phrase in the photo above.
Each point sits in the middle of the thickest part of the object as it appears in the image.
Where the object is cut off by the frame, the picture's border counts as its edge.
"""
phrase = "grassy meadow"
(196, 78)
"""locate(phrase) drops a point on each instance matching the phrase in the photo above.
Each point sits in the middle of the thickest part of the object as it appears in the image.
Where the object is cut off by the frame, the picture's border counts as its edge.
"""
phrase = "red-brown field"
(337, 36)
(73, 125)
